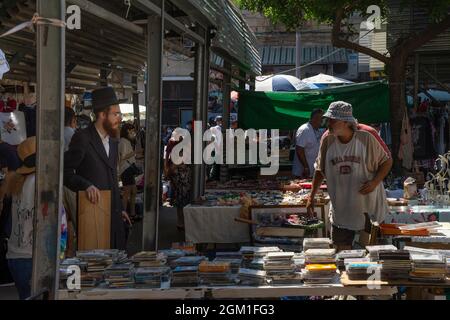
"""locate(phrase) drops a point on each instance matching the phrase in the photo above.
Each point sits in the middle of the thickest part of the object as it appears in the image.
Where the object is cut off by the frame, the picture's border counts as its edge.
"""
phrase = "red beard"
(108, 126)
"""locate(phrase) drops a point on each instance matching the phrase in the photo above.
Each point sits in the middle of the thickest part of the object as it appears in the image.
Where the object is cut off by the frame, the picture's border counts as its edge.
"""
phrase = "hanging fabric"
(406, 150)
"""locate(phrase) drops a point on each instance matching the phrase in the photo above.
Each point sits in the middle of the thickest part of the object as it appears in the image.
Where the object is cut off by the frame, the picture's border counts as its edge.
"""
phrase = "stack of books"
(375, 250)
(151, 277)
(215, 274)
(396, 264)
(185, 276)
(172, 254)
(348, 254)
(185, 271)
(320, 256)
(361, 268)
(251, 277)
(149, 259)
(257, 264)
(119, 276)
(316, 243)
(96, 262)
(299, 261)
(251, 253)
(280, 268)
(428, 268)
(233, 258)
(187, 261)
(320, 274)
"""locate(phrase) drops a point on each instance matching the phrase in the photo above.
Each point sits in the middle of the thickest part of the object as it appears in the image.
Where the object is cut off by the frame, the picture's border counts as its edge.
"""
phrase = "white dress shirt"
(105, 141)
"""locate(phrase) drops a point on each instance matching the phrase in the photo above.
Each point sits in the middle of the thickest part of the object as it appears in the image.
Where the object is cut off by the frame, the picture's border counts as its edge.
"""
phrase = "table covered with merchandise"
(212, 219)
(314, 269)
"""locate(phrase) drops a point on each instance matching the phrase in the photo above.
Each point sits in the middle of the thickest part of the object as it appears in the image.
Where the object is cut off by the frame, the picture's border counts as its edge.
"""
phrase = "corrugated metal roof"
(233, 34)
(285, 55)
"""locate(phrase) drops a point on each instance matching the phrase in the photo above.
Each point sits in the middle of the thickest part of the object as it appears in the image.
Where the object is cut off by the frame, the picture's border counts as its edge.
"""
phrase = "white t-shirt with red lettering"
(347, 167)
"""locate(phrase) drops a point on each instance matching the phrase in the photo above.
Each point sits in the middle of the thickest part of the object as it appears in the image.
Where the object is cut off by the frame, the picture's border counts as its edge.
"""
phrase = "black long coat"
(86, 163)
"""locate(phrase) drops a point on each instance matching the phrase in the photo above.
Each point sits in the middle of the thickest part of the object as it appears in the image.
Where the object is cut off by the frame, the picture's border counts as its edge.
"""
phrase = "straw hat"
(27, 153)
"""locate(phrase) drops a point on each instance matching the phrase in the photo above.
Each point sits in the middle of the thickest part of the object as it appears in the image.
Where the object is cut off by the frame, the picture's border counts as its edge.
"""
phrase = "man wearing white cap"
(354, 160)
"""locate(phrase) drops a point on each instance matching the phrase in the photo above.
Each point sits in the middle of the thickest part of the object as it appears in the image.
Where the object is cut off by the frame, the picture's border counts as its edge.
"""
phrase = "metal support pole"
(205, 96)
(50, 119)
(226, 89)
(298, 54)
(152, 192)
(197, 113)
(252, 83)
(242, 76)
(226, 95)
(136, 111)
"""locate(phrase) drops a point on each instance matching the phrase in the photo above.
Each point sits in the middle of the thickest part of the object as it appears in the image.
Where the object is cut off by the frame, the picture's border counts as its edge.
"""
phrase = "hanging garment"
(4, 66)
(406, 150)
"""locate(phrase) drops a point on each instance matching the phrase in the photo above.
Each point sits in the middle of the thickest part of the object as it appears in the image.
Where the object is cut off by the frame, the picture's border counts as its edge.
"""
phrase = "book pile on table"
(185, 271)
(151, 277)
(316, 243)
(187, 261)
(251, 253)
(375, 250)
(428, 268)
(320, 256)
(256, 264)
(97, 261)
(299, 261)
(320, 274)
(396, 264)
(233, 258)
(119, 275)
(280, 268)
(361, 268)
(348, 254)
(185, 276)
(149, 259)
(251, 277)
(172, 254)
(215, 274)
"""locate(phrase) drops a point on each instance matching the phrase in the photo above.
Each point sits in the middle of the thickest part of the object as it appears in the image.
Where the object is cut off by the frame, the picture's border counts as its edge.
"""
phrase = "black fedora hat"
(104, 97)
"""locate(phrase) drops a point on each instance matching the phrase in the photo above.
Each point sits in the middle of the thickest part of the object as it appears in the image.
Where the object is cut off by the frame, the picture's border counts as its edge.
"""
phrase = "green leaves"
(292, 13)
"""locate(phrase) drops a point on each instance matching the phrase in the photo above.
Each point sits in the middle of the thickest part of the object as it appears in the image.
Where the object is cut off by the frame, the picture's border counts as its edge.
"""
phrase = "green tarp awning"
(288, 110)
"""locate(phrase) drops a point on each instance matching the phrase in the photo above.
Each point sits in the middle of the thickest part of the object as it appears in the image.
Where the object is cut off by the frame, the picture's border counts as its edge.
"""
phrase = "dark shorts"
(341, 236)
(128, 178)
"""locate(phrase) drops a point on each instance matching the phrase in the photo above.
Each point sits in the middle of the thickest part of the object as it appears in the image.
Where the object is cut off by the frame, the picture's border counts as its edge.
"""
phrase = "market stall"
(314, 269)
(215, 217)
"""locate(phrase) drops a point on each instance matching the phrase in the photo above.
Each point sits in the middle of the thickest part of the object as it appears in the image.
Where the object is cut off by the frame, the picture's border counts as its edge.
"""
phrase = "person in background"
(216, 132)
(28, 107)
(70, 124)
(179, 177)
(9, 163)
(21, 187)
(354, 160)
(307, 142)
(127, 167)
(90, 164)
